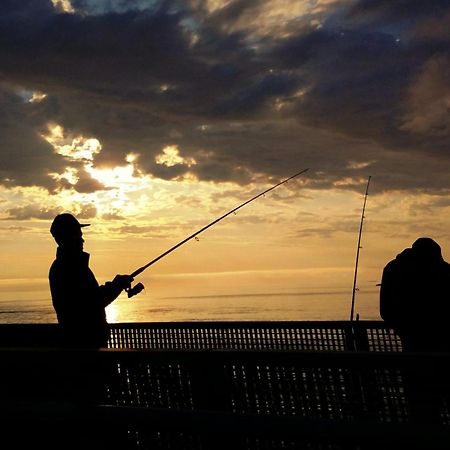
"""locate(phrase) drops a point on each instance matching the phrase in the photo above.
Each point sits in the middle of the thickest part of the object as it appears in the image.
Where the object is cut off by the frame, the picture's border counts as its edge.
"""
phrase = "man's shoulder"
(63, 266)
(446, 268)
(54, 266)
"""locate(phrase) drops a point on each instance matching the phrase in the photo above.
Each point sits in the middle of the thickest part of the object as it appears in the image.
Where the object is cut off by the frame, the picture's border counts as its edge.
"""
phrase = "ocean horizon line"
(271, 294)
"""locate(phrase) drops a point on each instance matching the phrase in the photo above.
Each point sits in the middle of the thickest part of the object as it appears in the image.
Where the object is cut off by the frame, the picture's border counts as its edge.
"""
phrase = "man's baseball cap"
(65, 224)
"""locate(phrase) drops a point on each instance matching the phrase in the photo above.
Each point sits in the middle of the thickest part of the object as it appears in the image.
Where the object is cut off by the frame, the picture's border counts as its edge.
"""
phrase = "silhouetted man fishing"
(77, 298)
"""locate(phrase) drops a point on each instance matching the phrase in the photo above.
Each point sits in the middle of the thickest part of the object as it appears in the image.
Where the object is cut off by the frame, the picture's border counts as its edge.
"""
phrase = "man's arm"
(112, 289)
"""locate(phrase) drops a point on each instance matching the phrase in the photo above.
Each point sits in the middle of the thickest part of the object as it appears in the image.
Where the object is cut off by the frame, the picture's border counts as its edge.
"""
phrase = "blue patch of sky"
(97, 8)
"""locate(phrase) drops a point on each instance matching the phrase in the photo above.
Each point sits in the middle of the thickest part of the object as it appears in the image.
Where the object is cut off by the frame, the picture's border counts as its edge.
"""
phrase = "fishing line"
(138, 288)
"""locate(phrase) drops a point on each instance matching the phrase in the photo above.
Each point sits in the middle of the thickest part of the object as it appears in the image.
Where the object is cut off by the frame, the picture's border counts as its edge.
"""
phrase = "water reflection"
(146, 308)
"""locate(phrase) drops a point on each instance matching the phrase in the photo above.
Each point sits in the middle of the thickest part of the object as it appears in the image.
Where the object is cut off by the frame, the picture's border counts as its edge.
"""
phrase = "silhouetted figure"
(415, 302)
(415, 297)
(78, 299)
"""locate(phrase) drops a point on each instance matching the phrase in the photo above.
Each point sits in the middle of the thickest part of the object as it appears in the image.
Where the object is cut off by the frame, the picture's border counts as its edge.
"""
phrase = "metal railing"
(249, 399)
(309, 336)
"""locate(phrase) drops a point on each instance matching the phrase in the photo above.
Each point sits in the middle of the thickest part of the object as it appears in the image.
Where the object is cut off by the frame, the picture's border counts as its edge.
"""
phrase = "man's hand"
(123, 281)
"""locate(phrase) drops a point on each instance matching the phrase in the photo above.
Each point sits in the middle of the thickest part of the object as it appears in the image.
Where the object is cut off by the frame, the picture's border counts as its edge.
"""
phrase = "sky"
(149, 119)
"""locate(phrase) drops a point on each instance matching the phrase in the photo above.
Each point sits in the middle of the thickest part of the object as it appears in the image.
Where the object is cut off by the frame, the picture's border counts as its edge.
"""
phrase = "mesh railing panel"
(143, 384)
(314, 336)
(308, 336)
(383, 339)
(345, 388)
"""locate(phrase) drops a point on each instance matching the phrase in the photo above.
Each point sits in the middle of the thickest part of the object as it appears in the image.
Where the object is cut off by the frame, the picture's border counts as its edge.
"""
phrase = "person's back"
(415, 296)
(415, 302)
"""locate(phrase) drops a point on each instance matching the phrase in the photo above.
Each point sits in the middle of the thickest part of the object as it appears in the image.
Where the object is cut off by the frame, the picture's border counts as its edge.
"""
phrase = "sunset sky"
(149, 119)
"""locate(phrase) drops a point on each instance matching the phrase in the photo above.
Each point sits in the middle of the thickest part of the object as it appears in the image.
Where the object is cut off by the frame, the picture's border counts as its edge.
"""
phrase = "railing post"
(361, 340)
(211, 391)
(210, 383)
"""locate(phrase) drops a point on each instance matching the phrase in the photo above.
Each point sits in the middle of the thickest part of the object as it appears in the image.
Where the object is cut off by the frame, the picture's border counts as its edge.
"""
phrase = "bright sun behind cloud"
(115, 184)
(74, 149)
(121, 191)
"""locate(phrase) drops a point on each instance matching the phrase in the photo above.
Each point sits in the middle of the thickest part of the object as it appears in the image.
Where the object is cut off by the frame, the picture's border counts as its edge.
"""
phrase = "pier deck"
(270, 385)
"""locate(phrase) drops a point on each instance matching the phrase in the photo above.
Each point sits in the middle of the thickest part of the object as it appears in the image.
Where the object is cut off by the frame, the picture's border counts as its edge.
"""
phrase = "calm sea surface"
(36, 307)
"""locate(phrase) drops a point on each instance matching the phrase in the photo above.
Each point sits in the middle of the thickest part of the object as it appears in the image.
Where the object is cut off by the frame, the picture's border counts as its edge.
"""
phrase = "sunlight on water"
(145, 308)
(242, 308)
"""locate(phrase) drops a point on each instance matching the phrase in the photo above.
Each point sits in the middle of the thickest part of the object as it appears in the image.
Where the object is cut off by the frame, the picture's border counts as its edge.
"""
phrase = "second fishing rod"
(139, 287)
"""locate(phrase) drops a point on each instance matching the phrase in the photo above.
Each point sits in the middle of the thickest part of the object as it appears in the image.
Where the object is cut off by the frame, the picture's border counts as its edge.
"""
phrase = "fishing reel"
(132, 291)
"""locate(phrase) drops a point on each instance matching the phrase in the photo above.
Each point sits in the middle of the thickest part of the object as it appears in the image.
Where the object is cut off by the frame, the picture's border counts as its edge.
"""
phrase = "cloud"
(112, 216)
(428, 102)
(32, 212)
(434, 28)
(150, 231)
(386, 11)
(47, 210)
(86, 184)
(26, 159)
(234, 87)
(170, 157)
(85, 211)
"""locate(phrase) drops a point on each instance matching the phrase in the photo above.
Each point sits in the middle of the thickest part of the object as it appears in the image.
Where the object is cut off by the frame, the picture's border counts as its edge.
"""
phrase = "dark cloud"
(87, 211)
(251, 98)
(362, 93)
(358, 83)
(94, 7)
(26, 159)
(33, 212)
(87, 184)
(387, 11)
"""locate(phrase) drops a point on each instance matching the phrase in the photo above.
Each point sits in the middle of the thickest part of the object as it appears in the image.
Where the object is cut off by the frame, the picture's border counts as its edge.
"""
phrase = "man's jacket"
(415, 300)
(79, 301)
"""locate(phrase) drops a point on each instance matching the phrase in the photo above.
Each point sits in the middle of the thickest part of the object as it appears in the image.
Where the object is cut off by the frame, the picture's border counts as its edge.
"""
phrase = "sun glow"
(84, 150)
(37, 97)
(75, 149)
(63, 5)
(108, 190)
(171, 156)
(131, 157)
(119, 177)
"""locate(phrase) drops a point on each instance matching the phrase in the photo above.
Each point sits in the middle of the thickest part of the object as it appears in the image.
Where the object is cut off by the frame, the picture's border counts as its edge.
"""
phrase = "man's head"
(66, 231)
(427, 249)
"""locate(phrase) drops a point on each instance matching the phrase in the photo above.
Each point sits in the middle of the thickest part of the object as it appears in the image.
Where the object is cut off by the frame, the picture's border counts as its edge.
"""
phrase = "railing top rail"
(246, 324)
(159, 355)
(223, 324)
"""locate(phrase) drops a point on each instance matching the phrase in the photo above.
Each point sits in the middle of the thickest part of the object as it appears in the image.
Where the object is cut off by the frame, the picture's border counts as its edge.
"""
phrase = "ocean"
(36, 307)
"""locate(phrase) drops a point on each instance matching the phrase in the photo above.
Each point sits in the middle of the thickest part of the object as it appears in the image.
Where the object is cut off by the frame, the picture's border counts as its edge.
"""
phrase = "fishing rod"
(352, 311)
(138, 288)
